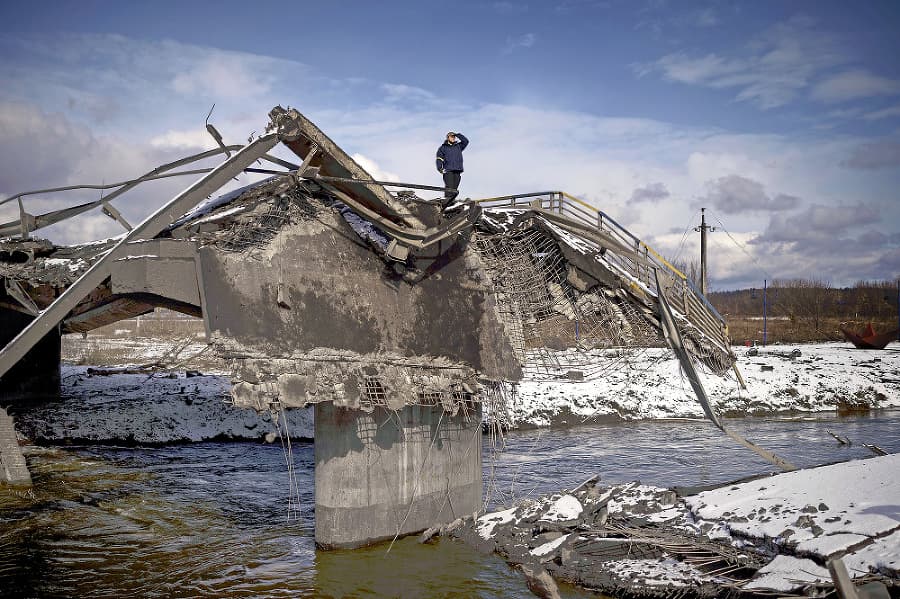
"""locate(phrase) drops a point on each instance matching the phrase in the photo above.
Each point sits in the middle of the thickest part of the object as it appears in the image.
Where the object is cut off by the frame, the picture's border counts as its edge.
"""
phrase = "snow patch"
(563, 509)
(549, 546)
(787, 573)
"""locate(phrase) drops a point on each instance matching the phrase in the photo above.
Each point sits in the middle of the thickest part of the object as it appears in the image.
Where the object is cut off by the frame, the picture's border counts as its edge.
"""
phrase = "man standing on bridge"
(449, 163)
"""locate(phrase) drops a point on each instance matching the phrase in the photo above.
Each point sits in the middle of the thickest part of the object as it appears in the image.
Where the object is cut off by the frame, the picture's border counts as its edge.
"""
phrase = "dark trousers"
(451, 181)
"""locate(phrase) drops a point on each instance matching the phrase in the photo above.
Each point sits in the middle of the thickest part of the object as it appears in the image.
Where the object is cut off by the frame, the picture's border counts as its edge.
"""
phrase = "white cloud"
(884, 113)
(770, 72)
(397, 92)
(525, 40)
(509, 8)
(374, 169)
(884, 153)
(654, 192)
(734, 194)
(187, 139)
(224, 75)
(706, 17)
(854, 84)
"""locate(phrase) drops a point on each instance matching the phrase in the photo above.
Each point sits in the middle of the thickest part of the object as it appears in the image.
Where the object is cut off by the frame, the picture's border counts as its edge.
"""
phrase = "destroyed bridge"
(402, 325)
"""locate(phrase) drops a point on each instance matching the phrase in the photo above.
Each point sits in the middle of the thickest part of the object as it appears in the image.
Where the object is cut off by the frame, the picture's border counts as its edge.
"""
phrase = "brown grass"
(785, 330)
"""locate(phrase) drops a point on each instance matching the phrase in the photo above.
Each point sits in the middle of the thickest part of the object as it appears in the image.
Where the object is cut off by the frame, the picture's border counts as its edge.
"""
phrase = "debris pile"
(771, 534)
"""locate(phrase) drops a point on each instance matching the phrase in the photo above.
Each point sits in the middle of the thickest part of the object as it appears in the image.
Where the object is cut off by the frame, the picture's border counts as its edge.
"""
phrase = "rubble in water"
(635, 540)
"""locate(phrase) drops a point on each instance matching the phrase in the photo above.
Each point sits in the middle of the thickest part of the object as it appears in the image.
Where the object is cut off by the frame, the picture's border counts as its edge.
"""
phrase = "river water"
(212, 519)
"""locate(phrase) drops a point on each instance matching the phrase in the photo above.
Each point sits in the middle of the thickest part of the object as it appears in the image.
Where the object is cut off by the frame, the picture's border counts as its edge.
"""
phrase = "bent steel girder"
(301, 135)
(150, 227)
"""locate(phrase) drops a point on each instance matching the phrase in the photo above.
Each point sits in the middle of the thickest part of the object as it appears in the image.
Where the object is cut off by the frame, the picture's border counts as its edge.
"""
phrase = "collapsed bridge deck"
(562, 275)
(396, 319)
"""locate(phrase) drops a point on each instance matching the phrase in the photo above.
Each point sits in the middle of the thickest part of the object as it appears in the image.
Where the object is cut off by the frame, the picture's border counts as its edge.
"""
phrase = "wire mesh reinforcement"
(554, 327)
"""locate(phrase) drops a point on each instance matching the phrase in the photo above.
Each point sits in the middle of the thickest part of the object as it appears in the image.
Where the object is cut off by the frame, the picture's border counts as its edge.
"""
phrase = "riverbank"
(771, 534)
(189, 406)
(642, 384)
(97, 406)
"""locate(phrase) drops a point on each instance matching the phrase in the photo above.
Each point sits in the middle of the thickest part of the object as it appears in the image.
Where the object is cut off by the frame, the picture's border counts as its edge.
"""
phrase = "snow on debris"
(662, 572)
(563, 509)
(819, 511)
(641, 537)
(486, 524)
(857, 497)
(882, 555)
(207, 206)
(549, 546)
(787, 573)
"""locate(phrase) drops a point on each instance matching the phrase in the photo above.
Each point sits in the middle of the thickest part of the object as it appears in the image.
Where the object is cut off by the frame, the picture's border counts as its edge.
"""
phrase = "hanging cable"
(743, 248)
(684, 237)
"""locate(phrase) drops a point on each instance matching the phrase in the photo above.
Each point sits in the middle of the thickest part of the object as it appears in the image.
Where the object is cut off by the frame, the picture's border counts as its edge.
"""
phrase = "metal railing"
(27, 223)
(679, 290)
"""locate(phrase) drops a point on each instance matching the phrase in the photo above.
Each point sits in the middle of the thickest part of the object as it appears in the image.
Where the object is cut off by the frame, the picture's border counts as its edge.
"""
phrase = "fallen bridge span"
(401, 324)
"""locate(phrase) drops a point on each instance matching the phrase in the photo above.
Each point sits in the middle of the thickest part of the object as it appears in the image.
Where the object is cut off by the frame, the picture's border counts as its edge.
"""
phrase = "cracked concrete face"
(315, 315)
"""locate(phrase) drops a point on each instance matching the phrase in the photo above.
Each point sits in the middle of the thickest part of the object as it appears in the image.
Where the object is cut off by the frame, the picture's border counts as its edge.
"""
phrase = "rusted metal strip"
(14, 290)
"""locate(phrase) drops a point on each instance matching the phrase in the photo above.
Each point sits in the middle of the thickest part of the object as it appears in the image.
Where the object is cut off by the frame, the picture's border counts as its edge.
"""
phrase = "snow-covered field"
(649, 384)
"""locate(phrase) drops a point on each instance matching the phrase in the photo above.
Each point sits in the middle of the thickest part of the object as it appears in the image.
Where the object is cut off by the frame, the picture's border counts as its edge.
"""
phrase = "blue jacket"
(449, 156)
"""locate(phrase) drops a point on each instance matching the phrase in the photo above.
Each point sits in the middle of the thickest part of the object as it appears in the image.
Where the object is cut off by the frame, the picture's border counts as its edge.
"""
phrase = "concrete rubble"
(764, 536)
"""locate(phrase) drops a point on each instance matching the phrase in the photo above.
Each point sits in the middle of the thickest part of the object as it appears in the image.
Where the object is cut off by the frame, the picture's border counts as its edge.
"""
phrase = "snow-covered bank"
(847, 509)
(643, 384)
(141, 408)
(649, 384)
(770, 534)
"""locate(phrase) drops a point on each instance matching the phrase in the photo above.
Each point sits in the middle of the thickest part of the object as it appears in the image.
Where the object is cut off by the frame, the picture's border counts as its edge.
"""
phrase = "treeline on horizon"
(807, 309)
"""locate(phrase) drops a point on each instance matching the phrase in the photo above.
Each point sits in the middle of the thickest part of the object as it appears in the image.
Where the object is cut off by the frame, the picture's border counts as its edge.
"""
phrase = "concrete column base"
(393, 473)
(13, 468)
(37, 374)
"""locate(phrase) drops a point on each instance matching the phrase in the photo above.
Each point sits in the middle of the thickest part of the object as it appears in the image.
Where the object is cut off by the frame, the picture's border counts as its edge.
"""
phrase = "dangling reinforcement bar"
(670, 331)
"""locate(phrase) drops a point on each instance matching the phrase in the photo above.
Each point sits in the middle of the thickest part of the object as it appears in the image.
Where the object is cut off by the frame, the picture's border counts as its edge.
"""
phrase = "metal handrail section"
(28, 223)
(154, 224)
(574, 207)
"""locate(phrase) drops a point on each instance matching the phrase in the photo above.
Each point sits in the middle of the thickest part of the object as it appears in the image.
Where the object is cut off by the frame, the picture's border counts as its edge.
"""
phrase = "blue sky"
(781, 118)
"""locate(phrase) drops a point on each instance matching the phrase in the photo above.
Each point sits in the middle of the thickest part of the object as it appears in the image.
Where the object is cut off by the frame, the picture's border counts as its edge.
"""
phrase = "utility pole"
(703, 228)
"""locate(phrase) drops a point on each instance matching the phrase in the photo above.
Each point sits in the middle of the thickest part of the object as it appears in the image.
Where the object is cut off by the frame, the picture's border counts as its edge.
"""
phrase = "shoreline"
(189, 406)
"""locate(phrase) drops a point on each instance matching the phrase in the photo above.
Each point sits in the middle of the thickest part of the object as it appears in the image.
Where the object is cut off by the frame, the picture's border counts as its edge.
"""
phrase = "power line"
(743, 248)
(684, 237)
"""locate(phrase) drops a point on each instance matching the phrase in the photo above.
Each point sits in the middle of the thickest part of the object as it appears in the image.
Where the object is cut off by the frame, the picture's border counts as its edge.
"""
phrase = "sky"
(782, 119)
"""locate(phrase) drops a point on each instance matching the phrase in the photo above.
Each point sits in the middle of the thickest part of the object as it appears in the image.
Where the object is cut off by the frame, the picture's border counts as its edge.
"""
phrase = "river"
(213, 519)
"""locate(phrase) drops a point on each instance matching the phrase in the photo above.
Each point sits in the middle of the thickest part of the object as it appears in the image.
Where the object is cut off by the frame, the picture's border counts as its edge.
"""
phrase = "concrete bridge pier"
(37, 374)
(388, 473)
(13, 468)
